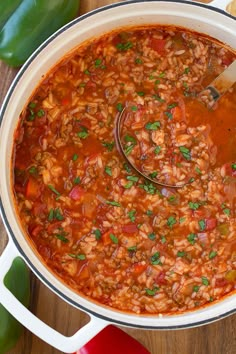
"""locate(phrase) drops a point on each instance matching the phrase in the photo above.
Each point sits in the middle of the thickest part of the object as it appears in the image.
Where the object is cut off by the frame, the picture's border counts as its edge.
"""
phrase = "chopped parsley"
(33, 170)
(128, 185)
(186, 70)
(181, 254)
(128, 148)
(129, 138)
(158, 98)
(138, 61)
(32, 105)
(62, 236)
(113, 202)
(134, 108)
(97, 234)
(194, 206)
(197, 169)
(124, 46)
(108, 170)
(226, 211)
(75, 157)
(212, 254)
(119, 107)
(155, 259)
(169, 114)
(192, 238)
(108, 145)
(172, 105)
(163, 239)
(83, 134)
(182, 219)
(81, 257)
(152, 292)
(202, 224)
(233, 166)
(114, 238)
(205, 281)
(77, 180)
(132, 248)
(185, 152)
(131, 215)
(171, 221)
(54, 190)
(153, 125)
(98, 62)
(196, 288)
(153, 174)
(152, 236)
(157, 150)
(87, 72)
(149, 212)
(55, 214)
(41, 113)
(140, 93)
(148, 187)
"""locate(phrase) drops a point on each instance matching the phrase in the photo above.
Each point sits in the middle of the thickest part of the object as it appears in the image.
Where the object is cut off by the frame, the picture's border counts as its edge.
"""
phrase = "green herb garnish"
(205, 281)
(114, 238)
(185, 152)
(153, 125)
(171, 221)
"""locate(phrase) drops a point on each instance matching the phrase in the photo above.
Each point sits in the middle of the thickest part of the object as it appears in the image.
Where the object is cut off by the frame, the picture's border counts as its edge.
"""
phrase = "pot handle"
(34, 324)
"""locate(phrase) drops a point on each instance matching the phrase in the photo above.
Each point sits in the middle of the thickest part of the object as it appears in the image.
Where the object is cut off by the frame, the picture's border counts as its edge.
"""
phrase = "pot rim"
(11, 234)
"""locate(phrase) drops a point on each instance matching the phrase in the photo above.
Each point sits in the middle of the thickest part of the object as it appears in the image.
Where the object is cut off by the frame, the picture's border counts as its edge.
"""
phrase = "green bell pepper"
(25, 24)
(17, 280)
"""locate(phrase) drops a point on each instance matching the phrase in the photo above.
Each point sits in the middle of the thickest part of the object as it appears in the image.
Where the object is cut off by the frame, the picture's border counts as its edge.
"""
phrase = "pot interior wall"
(193, 17)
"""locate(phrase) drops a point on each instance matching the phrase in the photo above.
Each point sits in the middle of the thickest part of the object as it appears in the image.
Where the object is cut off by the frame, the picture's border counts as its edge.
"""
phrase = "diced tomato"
(228, 170)
(39, 209)
(32, 189)
(112, 340)
(83, 272)
(129, 228)
(36, 230)
(84, 122)
(158, 45)
(91, 84)
(138, 268)
(65, 101)
(106, 237)
(211, 224)
(160, 279)
(220, 283)
(45, 251)
(177, 114)
(76, 193)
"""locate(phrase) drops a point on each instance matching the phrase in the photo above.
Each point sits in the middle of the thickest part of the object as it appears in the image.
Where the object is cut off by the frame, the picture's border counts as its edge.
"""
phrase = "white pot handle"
(35, 325)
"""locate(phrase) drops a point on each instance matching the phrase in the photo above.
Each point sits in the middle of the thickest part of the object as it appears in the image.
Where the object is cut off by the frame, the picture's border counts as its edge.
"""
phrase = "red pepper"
(129, 228)
(158, 45)
(32, 189)
(76, 193)
(113, 340)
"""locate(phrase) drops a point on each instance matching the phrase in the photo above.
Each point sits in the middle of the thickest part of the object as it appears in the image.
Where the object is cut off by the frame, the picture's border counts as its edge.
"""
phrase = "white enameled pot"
(195, 16)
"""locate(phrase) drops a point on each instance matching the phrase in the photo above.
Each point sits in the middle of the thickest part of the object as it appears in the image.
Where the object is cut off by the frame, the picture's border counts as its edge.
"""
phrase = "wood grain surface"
(216, 338)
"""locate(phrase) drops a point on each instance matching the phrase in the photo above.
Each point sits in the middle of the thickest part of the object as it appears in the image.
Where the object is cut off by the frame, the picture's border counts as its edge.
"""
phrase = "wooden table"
(216, 338)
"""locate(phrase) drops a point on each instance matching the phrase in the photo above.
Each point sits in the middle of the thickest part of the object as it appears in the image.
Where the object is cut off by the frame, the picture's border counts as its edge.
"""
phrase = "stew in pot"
(106, 232)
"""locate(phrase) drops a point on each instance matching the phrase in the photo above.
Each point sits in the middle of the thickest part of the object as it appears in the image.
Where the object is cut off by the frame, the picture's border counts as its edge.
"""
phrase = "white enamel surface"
(190, 16)
(30, 321)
